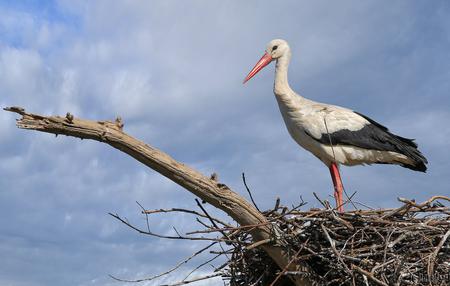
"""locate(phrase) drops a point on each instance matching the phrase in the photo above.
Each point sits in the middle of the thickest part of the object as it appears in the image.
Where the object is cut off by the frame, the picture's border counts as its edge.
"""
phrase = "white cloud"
(20, 71)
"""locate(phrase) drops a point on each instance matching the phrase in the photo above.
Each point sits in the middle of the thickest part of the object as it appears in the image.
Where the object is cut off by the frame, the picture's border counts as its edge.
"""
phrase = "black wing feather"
(375, 136)
(408, 141)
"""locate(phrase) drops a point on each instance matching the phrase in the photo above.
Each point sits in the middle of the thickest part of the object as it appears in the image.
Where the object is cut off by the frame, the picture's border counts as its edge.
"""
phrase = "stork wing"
(368, 135)
(345, 127)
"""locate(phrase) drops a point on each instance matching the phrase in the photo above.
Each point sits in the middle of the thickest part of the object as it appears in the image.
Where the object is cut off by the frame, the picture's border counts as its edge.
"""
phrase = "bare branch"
(168, 271)
(184, 282)
(435, 253)
(216, 194)
(178, 236)
(248, 191)
(183, 211)
(368, 275)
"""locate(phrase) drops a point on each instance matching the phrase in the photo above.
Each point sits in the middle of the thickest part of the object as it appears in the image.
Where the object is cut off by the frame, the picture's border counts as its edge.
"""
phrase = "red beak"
(264, 61)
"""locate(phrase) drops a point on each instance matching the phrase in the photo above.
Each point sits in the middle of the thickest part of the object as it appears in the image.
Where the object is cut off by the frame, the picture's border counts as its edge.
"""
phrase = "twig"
(214, 224)
(166, 236)
(368, 275)
(290, 262)
(201, 265)
(168, 271)
(211, 219)
(333, 246)
(258, 243)
(183, 211)
(194, 280)
(249, 192)
(432, 258)
(146, 216)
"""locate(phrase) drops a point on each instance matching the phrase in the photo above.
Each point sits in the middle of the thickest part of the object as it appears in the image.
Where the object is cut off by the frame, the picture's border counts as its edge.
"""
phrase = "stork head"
(275, 50)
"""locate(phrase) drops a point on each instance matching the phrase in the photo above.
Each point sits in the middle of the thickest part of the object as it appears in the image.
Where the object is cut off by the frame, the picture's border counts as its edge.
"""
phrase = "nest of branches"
(409, 245)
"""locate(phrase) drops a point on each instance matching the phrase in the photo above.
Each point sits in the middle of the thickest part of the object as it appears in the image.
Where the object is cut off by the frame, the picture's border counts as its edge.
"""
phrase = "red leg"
(338, 187)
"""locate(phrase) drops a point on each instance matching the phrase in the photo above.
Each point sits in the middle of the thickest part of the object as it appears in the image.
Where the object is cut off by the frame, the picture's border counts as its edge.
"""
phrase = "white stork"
(334, 134)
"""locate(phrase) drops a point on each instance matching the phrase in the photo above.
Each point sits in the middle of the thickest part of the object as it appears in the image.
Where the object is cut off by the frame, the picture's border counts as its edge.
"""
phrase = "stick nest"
(409, 245)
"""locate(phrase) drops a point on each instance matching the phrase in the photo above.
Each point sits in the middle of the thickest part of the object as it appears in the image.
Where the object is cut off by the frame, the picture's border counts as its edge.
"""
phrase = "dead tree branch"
(207, 189)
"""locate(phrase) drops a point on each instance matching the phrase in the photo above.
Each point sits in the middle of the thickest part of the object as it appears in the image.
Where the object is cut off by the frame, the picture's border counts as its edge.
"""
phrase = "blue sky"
(173, 70)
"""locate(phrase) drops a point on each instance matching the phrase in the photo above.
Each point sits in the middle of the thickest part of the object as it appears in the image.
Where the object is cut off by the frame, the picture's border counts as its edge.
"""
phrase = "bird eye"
(274, 48)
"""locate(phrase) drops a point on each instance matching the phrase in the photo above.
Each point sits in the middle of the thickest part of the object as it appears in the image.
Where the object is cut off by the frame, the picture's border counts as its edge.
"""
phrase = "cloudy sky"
(173, 70)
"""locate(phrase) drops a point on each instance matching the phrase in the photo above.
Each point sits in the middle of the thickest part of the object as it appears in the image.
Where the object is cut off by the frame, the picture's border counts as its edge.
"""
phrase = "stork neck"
(281, 85)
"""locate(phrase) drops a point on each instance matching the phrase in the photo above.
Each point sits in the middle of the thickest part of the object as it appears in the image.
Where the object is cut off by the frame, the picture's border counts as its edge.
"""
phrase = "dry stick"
(292, 260)
(146, 216)
(430, 267)
(210, 218)
(258, 243)
(218, 195)
(381, 265)
(168, 271)
(257, 281)
(333, 247)
(342, 221)
(361, 204)
(250, 227)
(320, 201)
(404, 207)
(176, 231)
(124, 221)
(228, 251)
(202, 223)
(368, 275)
(201, 265)
(193, 280)
(183, 211)
(248, 190)
(214, 224)
(348, 240)
(426, 203)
